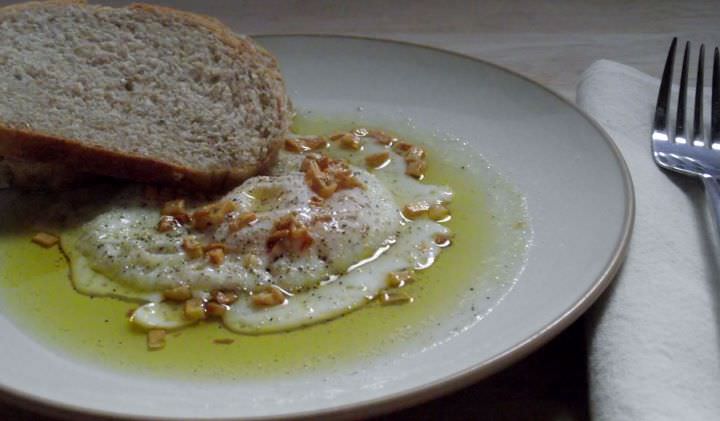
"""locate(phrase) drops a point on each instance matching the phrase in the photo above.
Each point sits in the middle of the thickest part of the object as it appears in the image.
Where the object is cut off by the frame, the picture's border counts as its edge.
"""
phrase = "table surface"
(552, 42)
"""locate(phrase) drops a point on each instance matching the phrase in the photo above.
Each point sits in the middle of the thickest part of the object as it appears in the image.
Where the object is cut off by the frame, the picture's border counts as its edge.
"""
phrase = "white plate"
(579, 196)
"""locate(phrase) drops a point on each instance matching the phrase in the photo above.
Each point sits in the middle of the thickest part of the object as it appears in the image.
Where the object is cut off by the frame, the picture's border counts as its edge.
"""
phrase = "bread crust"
(30, 145)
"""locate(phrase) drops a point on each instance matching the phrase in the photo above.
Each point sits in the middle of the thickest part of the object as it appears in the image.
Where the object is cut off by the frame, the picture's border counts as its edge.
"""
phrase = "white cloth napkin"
(654, 338)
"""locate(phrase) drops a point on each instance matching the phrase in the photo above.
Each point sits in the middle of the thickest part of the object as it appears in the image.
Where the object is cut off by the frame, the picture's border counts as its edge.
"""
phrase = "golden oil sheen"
(38, 296)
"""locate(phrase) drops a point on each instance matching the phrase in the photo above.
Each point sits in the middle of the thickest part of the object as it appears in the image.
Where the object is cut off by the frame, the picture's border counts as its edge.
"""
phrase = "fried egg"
(355, 237)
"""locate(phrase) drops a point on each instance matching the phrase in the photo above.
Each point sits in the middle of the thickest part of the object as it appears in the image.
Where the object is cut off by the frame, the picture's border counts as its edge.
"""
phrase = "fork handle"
(712, 193)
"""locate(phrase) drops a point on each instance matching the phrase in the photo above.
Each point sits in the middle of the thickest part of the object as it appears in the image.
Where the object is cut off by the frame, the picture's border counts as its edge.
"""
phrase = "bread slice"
(144, 93)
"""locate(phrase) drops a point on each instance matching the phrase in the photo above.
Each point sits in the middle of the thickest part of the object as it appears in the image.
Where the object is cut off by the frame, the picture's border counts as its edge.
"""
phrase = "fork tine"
(663, 101)
(698, 129)
(715, 104)
(680, 132)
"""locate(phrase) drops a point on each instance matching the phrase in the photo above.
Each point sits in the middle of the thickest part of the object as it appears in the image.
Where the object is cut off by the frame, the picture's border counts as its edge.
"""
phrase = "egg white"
(124, 244)
(415, 250)
(120, 253)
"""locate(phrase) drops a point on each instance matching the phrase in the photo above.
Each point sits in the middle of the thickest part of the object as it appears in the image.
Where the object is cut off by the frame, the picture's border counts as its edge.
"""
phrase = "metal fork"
(697, 155)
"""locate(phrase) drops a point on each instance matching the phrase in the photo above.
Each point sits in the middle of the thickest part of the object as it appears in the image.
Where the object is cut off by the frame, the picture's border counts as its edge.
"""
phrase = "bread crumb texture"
(142, 81)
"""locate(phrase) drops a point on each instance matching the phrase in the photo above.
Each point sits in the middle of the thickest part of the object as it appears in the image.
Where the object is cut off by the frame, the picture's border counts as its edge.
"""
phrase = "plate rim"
(440, 387)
